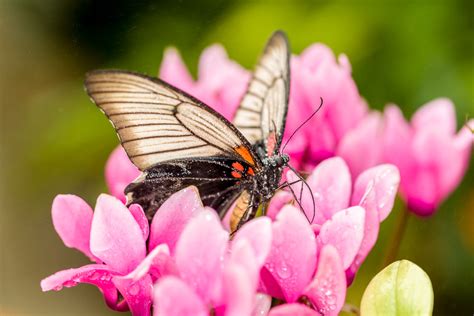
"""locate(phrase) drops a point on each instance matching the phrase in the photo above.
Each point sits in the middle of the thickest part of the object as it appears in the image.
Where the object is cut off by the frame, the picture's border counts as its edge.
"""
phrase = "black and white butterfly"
(178, 141)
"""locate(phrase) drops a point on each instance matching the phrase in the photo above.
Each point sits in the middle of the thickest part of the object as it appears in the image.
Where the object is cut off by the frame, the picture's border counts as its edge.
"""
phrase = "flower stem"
(397, 237)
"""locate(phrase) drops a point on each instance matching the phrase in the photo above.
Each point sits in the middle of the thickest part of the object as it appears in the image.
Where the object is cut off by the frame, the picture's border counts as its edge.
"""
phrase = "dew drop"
(134, 289)
(95, 276)
(284, 271)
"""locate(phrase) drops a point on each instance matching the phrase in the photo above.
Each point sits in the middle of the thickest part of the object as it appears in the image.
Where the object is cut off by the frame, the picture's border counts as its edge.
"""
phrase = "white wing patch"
(263, 108)
(156, 122)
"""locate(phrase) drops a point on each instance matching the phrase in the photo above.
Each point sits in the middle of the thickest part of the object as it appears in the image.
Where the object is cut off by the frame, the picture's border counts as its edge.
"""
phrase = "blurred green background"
(53, 140)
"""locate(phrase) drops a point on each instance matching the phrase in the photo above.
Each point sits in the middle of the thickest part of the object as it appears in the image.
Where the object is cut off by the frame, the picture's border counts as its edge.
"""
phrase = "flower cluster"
(302, 255)
(432, 159)
(185, 254)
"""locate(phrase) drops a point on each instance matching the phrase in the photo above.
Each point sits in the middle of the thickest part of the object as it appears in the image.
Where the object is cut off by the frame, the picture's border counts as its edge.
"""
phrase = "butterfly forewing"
(262, 111)
(157, 122)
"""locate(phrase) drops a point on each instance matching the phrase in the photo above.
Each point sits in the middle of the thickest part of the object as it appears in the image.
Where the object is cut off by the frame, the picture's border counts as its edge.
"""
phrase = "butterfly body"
(178, 141)
(268, 180)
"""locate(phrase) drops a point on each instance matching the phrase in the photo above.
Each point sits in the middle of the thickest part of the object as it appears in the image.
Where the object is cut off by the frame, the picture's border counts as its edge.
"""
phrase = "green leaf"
(402, 288)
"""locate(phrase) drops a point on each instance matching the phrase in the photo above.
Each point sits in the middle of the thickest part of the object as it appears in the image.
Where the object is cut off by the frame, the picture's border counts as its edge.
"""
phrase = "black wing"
(157, 122)
(219, 181)
(261, 115)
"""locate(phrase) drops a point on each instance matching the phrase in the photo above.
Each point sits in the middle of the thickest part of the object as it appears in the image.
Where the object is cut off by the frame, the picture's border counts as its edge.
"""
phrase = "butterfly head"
(276, 161)
(269, 179)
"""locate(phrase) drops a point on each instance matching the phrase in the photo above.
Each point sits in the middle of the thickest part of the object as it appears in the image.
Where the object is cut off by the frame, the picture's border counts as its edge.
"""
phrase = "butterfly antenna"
(301, 193)
(286, 184)
(306, 121)
(299, 202)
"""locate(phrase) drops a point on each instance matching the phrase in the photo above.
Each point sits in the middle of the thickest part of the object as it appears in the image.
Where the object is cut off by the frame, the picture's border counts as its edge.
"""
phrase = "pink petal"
(462, 144)
(171, 218)
(319, 75)
(291, 262)
(212, 56)
(441, 162)
(243, 255)
(361, 147)
(258, 232)
(95, 274)
(174, 297)
(397, 139)
(344, 231)
(440, 113)
(262, 304)
(433, 153)
(314, 55)
(137, 294)
(280, 199)
(119, 172)
(199, 253)
(327, 291)
(292, 310)
(174, 71)
(239, 290)
(222, 82)
(116, 237)
(156, 263)
(386, 179)
(331, 184)
(140, 217)
(72, 219)
(371, 229)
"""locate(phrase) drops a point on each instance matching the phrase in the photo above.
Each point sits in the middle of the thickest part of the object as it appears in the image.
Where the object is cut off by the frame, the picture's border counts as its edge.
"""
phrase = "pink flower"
(361, 147)
(112, 238)
(115, 238)
(346, 218)
(119, 172)
(221, 81)
(432, 159)
(213, 274)
(297, 267)
(315, 74)
(188, 252)
(326, 291)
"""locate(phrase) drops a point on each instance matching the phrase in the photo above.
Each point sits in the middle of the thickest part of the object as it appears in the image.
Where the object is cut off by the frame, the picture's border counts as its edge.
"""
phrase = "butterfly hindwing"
(262, 112)
(219, 181)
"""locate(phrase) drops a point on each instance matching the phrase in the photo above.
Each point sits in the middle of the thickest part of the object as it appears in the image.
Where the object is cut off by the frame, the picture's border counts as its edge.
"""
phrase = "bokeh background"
(53, 140)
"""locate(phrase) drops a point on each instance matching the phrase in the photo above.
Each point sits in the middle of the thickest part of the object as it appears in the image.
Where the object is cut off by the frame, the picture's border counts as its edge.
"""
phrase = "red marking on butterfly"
(271, 143)
(250, 171)
(238, 166)
(236, 174)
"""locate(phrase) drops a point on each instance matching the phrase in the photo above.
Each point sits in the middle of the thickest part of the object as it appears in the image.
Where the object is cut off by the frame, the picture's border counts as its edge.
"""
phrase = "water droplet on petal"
(134, 289)
(94, 276)
(283, 271)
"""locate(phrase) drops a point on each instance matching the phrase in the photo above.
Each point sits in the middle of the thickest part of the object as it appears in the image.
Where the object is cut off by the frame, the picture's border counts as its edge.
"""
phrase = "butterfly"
(178, 141)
